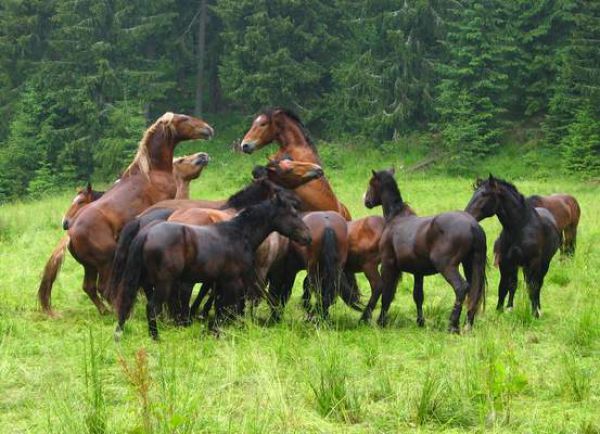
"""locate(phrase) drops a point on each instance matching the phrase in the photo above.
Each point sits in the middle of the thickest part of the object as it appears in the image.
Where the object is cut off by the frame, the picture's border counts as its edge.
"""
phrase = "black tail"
(478, 283)
(129, 232)
(329, 272)
(129, 284)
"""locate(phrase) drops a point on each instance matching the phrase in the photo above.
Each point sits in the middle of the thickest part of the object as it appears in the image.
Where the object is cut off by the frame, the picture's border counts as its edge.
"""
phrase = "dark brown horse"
(285, 127)
(529, 237)
(424, 246)
(147, 180)
(185, 170)
(170, 253)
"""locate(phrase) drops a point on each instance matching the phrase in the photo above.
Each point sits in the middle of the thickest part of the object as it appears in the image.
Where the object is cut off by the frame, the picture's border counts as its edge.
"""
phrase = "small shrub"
(575, 380)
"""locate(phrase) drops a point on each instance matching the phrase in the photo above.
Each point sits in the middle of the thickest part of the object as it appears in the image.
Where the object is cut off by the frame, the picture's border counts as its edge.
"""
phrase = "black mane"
(507, 186)
(253, 193)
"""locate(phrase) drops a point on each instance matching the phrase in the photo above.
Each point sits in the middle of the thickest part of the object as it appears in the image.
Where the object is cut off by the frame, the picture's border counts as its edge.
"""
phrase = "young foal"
(424, 246)
(170, 253)
(529, 237)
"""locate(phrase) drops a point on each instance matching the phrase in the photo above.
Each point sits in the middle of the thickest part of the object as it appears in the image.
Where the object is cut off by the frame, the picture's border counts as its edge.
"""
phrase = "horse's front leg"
(389, 281)
(418, 297)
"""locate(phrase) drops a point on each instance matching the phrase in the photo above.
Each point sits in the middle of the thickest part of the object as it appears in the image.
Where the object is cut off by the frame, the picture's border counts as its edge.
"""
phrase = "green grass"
(511, 373)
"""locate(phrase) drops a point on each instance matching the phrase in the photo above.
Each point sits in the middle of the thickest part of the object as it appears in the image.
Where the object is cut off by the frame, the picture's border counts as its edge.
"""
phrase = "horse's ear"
(259, 172)
(374, 173)
(89, 187)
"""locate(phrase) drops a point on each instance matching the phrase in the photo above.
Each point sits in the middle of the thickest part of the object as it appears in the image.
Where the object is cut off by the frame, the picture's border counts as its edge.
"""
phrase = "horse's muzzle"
(208, 132)
(65, 224)
(247, 148)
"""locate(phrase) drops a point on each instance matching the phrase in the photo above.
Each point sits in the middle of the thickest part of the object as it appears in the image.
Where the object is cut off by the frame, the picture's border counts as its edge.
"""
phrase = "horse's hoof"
(454, 330)
(118, 334)
(382, 322)
(421, 322)
(467, 328)
(509, 309)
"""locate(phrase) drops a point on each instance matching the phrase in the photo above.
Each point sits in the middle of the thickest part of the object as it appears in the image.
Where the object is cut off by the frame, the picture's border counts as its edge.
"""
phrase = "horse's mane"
(507, 185)
(141, 162)
(534, 200)
(388, 183)
(293, 116)
(249, 195)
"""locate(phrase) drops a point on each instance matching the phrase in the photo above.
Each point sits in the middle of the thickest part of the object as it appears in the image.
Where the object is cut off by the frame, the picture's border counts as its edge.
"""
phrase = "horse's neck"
(513, 213)
(254, 231)
(183, 189)
(293, 142)
(392, 204)
(161, 147)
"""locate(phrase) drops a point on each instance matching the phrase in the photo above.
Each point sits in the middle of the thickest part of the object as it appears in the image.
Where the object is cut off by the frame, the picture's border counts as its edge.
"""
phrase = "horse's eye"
(263, 124)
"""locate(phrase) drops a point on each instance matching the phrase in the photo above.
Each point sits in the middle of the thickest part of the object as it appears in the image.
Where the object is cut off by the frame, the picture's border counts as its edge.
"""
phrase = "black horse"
(529, 237)
(424, 246)
(170, 253)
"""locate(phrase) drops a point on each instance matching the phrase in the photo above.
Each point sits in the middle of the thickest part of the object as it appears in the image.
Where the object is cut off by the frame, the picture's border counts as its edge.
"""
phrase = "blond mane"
(141, 162)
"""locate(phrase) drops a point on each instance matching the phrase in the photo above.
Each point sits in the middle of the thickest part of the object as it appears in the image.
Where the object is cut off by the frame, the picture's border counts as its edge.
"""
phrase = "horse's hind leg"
(90, 281)
(534, 278)
(154, 305)
(508, 283)
(372, 273)
(306, 293)
(569, 240)
(418, 297)
(461, 287)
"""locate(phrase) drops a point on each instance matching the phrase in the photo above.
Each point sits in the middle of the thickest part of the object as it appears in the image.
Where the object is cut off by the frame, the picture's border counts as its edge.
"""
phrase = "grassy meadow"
(510, 374)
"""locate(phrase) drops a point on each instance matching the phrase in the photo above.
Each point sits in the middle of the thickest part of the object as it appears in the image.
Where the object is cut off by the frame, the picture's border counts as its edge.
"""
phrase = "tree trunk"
(200, 54)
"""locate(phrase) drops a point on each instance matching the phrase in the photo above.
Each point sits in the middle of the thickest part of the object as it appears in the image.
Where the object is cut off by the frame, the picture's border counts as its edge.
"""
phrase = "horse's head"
(372, 197)
(486, 198)
(266, 128)
(189, 167)
(186, 127)
(82, 198)
(287, 220)
(289, 173)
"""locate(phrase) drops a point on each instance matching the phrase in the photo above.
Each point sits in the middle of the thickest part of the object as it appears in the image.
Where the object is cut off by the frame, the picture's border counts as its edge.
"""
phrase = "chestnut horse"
(170, 253)
(566, 212)
(185, 170)
(529, 237)
(147, 180)
(285, 127)
(81, 199)
(424, 246)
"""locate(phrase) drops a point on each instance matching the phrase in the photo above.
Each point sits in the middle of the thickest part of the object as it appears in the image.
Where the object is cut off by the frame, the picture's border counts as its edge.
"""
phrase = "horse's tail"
(128, 233)
(127, 287)
(328, 266)
(570, 234)
(478, 283)
(350, 292)
(50, 272)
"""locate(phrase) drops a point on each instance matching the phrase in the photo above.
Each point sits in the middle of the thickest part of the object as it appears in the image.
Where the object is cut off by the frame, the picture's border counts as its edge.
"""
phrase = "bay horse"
(147, 180)
(285, 127)
(529, 237)
(425, 246)
(324, 259)
(566, 212)
(170, 253)
(363, 249)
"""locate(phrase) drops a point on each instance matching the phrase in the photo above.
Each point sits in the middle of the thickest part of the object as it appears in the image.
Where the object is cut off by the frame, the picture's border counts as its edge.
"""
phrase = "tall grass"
(511, 373)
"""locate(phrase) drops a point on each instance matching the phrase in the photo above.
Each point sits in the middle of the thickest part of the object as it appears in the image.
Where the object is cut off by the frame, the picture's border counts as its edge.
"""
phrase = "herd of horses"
(146, 233)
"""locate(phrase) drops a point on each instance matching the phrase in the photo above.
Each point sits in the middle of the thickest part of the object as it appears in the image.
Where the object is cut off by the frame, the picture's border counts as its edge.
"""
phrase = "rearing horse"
(147, 180)
(285, 127)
